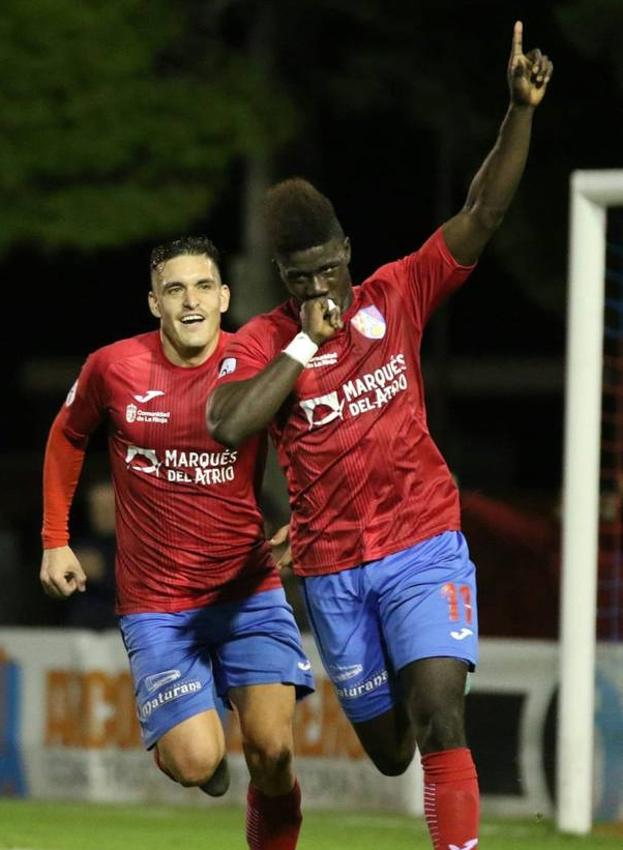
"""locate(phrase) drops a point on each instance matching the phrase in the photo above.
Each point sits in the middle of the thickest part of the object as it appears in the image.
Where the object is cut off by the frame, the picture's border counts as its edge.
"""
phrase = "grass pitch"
(27, 825)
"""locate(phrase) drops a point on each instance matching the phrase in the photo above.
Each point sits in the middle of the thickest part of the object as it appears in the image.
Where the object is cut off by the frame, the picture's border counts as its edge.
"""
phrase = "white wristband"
(301, 349)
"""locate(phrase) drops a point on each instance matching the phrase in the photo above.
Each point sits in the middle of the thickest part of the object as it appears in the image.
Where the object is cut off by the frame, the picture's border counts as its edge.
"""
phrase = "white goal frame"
(592, 192)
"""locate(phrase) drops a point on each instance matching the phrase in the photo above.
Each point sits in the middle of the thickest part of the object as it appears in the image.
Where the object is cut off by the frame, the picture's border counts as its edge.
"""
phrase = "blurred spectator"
(9, 574)
(95, 550)
(517, 556)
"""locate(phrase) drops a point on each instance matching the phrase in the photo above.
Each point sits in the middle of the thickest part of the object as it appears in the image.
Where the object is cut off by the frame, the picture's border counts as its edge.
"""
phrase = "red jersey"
(365, 478)
(189, 530)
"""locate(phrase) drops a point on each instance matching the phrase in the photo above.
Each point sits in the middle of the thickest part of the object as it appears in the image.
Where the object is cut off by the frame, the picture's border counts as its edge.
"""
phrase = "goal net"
(610, 562)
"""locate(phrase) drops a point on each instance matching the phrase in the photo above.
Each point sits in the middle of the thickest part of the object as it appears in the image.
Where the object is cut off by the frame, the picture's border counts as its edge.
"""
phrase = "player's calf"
(388, 740)
(219, 782)
(391, 764)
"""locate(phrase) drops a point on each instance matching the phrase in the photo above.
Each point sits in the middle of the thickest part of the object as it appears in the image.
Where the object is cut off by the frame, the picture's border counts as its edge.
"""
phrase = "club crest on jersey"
(228, 366)
(369, 322)
(71, 394)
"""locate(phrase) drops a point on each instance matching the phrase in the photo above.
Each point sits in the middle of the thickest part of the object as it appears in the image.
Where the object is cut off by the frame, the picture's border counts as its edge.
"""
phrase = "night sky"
(381, 167)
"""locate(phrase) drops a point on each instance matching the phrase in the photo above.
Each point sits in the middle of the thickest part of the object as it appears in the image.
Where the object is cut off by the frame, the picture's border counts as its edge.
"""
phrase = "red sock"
(273, 823)
(451, 799)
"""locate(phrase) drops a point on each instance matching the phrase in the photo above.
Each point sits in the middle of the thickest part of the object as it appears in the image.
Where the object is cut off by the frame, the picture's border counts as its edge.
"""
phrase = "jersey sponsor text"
(363, 394)
(185, 467)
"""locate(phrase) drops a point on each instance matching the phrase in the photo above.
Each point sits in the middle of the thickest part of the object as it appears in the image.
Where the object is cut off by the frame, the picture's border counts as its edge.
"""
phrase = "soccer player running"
(375, 529)
(200, 600)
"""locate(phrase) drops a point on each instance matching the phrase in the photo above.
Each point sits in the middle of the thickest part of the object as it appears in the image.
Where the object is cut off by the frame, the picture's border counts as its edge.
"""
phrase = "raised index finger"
(517, 48)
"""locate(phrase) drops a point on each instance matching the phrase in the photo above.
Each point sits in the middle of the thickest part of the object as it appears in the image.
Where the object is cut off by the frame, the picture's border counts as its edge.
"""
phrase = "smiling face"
(317, 271)
(188, 297)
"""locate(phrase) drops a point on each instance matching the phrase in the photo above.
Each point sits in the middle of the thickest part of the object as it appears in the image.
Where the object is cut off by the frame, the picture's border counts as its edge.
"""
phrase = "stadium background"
(125, 123)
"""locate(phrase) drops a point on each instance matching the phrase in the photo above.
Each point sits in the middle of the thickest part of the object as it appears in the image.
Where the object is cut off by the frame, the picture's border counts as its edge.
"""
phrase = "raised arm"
(493, 187)
(238, 409)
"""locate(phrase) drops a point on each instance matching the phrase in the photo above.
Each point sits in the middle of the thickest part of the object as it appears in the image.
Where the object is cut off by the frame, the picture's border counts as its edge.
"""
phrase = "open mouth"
(192, 319)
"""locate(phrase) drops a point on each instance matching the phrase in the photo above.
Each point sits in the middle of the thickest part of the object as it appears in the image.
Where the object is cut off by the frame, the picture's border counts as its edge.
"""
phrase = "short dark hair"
(298, 216)
(184, 245)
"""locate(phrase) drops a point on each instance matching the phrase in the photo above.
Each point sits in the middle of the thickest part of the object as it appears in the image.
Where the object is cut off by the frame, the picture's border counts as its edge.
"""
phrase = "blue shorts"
(371, 621)
(178, 660)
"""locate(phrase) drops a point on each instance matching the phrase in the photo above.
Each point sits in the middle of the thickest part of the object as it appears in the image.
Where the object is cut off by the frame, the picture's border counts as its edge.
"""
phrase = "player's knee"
(193, 768)
(440, 729)
(269, 758)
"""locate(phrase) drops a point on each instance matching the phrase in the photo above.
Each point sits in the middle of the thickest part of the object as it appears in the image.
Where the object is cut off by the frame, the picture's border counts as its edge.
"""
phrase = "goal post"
(592, 192)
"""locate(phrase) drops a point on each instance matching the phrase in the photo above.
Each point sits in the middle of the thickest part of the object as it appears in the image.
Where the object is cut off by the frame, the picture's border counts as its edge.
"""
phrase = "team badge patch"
(71, 394)
(369, 322)
(227, 366)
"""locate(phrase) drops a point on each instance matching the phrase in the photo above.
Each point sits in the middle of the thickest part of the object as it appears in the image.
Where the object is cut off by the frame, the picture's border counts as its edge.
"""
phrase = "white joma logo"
(467, 846)
(148, 396)
(304, 665)
(460, 636)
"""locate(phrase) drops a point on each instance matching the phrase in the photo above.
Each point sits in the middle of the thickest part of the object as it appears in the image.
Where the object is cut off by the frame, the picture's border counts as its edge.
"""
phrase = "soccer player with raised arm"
(199, 597)
(375, 529)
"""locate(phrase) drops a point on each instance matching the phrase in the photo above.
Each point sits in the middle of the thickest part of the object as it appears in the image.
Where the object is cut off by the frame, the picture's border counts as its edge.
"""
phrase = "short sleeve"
(247, 353)
(86, 402)
(427, 276)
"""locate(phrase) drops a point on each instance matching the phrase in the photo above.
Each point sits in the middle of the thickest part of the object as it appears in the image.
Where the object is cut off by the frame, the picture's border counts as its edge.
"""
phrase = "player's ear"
(154, 307)
(225, 296)
(347, 250)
